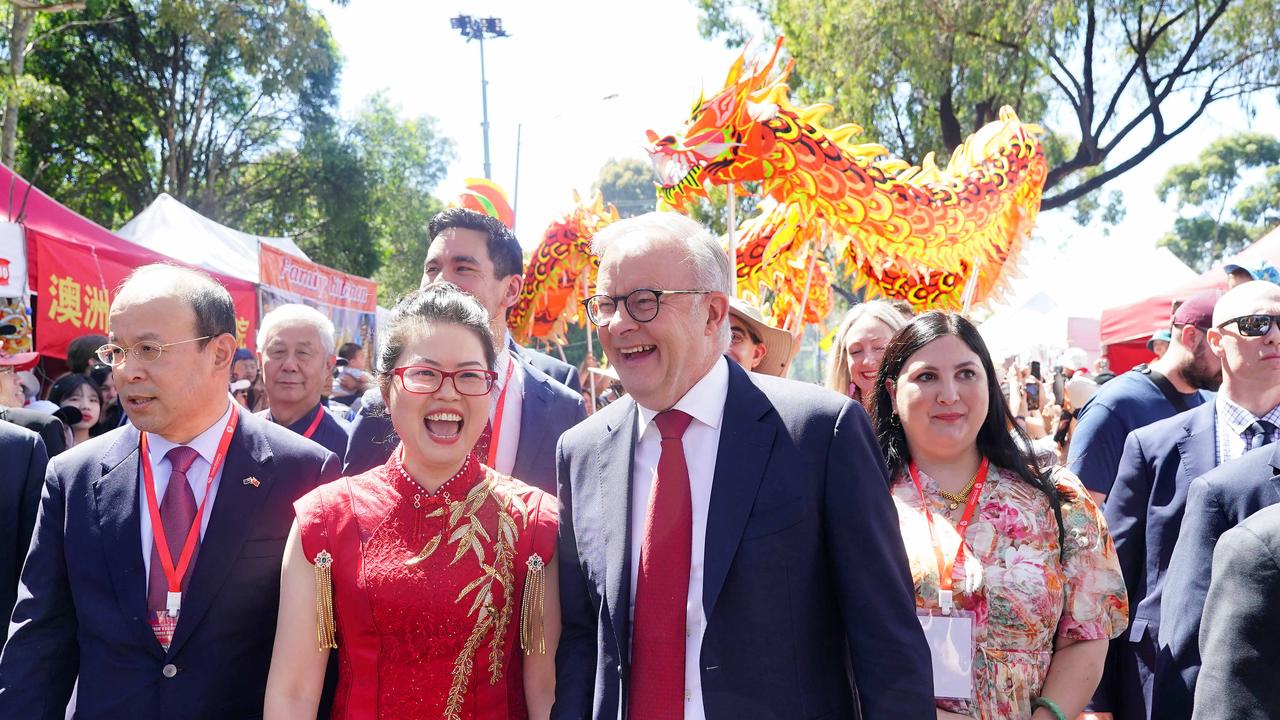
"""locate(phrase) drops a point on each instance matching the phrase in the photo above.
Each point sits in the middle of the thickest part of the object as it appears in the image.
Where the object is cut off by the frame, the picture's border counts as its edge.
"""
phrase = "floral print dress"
(1023, 593)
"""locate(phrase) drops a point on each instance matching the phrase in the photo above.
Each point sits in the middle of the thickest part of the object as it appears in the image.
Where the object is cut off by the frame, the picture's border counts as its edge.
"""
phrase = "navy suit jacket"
(804, 569)
(1240, 678)
(49, 428)
(1144, 512)
(22, 465)
(83, 598)
(549, 408)
(1216, 502)
(556, 369)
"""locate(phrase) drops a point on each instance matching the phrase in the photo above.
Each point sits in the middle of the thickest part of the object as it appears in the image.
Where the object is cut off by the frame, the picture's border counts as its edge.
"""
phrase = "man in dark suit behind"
(49, 428)
(1247, 339)
(1240, 677)
(482, 257)
(101, 601)
(23, 459)
(726, 540)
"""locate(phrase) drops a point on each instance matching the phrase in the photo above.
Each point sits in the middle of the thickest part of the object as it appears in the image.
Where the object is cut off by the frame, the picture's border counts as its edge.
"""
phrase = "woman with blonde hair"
(859, 345)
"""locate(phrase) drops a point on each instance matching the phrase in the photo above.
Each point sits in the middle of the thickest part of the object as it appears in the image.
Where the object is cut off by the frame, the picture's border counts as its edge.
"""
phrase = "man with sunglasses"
(1246, 335)
(153, 574)
(529, 408)
(726, 543)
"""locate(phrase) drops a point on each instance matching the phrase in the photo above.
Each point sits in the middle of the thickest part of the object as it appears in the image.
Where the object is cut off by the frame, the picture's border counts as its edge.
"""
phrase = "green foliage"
(922, 75)
(629, 185)
(1218, 218)
(713, 210)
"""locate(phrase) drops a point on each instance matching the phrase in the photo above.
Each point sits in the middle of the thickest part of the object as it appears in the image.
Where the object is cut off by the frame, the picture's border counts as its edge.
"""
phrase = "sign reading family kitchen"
(306, 279)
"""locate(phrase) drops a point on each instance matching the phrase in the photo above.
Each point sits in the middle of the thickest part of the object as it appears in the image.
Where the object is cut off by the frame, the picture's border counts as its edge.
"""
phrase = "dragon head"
(724, 140)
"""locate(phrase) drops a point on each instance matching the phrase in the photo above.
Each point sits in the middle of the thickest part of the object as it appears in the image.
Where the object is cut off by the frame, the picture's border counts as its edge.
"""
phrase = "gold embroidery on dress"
(465, 530)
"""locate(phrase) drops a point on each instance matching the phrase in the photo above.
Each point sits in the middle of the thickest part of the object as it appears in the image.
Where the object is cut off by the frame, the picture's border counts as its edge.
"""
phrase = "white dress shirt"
(206, 445)
(705, 404)
(509, 437)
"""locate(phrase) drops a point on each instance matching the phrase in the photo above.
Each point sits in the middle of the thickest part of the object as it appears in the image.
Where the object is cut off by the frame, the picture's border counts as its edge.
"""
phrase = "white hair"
(297, 314)
(703, 253)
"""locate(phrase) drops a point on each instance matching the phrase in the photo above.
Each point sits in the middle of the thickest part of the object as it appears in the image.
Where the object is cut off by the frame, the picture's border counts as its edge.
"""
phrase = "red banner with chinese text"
(324, 285)
(76, 281)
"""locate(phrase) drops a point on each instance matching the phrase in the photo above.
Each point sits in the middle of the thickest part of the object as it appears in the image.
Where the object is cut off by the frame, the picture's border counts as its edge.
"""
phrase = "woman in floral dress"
(433, 575)
(1027, 553)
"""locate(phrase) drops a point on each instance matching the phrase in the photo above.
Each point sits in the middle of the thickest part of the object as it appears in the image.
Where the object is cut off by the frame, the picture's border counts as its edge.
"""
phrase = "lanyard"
(173, 575)
(315, 423)
(944, 573)
(497, 414)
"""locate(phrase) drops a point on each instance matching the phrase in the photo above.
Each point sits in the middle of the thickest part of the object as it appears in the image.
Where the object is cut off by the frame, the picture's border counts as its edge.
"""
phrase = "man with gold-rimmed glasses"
(153, 572)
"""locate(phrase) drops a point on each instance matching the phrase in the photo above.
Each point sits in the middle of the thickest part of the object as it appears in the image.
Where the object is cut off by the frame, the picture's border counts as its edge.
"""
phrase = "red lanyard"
(311, 429)
(173, 575)
(944, 573)
(497, 414)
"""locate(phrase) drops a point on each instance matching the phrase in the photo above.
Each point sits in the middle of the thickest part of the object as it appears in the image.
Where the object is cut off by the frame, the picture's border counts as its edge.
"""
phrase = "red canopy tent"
(74, 265)
(1125, 330)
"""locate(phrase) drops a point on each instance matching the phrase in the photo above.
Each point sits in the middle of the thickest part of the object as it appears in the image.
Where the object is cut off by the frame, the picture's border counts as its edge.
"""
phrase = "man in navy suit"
(1246, 335)
(23, 457)
(528, 409)
(727, 543)
(106, 597)
(1240, 677)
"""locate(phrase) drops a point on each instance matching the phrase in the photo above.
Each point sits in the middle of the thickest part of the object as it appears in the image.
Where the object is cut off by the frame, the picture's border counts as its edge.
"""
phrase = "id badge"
(951, 649)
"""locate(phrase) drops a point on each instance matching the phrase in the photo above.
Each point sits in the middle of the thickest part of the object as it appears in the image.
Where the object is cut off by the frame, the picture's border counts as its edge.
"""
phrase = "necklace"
(963, 496)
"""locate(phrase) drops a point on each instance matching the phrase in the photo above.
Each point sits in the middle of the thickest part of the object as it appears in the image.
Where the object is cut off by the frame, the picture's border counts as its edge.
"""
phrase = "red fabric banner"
(309, 280)
(75, 283)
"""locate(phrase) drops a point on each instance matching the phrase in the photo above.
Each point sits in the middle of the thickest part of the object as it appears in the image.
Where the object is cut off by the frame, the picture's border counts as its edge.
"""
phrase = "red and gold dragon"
(552, 292)
(915, 233)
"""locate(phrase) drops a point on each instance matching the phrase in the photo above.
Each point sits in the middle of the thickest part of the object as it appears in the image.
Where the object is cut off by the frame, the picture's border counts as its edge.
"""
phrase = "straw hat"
(778, 343)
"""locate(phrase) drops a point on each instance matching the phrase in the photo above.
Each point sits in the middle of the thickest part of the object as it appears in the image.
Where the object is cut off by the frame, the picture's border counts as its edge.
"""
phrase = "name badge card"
(951, 648)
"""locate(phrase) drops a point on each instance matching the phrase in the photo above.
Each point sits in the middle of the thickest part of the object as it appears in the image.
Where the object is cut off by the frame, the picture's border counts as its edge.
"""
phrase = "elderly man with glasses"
(153, 573)
(726, 541)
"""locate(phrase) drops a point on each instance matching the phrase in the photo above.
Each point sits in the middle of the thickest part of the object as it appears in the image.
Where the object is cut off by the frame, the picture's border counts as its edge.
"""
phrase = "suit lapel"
(1198, 450)
(115, 497)
(1275, 468)
(533, 425)
(745, 442)
(235, 511)
(614, 454)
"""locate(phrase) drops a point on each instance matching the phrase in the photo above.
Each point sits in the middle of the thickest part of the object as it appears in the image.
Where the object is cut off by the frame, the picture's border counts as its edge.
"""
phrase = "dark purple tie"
(177, 511)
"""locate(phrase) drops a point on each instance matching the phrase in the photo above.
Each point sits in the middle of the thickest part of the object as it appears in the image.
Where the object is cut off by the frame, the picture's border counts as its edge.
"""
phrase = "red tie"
(662, 585)
(177, 510)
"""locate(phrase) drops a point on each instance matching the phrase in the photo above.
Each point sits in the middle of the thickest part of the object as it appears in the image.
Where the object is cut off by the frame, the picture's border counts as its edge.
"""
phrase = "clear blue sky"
(586, 79)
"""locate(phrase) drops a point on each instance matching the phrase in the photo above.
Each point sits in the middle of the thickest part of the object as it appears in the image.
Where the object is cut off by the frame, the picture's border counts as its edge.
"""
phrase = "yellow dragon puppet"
(553, 276)
(915, 233)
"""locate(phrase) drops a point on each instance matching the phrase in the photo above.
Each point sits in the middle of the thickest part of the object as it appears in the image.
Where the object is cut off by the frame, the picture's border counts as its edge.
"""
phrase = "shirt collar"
(703, 402)
(1238, 420)
(206, 443)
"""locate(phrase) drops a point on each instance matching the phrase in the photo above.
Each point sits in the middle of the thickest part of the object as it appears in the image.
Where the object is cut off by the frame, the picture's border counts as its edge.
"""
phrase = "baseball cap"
(1159, 336)
(1197, 311)
(242, 354)
(1260, 270)
(19, 361)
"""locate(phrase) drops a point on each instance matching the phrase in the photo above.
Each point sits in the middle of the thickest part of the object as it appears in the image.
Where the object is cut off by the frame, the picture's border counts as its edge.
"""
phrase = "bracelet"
(1047, 704)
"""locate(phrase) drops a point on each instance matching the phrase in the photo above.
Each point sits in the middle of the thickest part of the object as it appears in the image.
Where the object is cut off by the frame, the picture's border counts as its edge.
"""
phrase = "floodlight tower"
(477, 29)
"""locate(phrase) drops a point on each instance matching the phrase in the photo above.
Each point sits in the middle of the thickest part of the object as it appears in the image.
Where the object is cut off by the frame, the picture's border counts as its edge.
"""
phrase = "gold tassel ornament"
(531, 607)
(325, 633)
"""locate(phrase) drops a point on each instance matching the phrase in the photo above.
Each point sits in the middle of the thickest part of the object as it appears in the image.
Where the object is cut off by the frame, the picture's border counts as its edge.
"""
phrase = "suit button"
(169, 670)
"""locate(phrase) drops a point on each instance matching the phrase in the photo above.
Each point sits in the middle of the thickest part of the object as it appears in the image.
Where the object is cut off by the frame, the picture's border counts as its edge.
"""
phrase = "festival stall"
(1125, 329)
(351, 302)
(73, 267)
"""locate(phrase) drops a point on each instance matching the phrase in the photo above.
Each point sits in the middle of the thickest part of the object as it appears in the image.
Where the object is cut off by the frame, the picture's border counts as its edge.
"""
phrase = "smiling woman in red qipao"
(433, 575)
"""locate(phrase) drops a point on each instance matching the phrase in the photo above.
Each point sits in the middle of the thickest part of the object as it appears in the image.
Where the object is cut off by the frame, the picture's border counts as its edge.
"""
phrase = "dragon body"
(553, 276)
(915, 233)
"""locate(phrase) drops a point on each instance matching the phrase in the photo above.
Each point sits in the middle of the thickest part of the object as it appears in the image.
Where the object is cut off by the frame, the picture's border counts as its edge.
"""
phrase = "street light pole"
(476, 29)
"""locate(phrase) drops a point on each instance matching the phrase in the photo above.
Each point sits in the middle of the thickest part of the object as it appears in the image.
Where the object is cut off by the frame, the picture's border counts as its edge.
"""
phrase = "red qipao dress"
(432, 596)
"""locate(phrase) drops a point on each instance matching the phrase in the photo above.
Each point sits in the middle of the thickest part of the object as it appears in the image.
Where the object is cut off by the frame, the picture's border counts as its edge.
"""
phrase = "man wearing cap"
(49, 428)
(756, 345)
(1168, 385)
(1145, 509)
(1159, 342)
(296, 346)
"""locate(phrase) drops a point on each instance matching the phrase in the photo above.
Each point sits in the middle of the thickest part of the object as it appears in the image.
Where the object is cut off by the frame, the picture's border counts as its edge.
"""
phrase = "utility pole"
(476, 29)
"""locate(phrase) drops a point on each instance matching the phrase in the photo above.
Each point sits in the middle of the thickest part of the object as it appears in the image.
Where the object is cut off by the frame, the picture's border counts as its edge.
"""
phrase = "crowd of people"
(463, 527)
